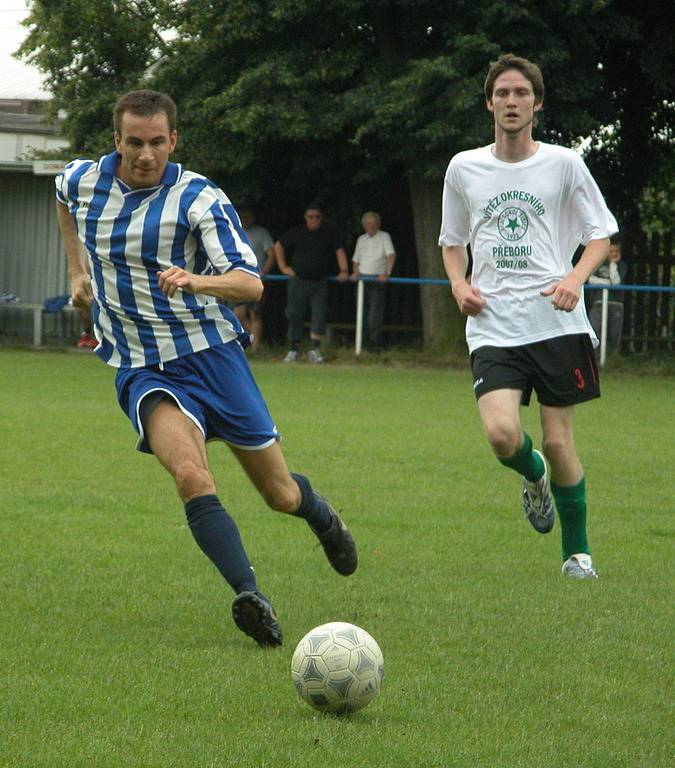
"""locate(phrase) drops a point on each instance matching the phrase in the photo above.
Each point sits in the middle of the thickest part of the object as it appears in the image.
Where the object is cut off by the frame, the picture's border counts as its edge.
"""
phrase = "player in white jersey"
(524, 207)
(164, 244)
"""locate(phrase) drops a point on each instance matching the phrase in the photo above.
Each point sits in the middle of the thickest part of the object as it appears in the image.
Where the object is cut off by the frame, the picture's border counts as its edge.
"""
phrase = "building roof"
(35, 123)
(27, 116)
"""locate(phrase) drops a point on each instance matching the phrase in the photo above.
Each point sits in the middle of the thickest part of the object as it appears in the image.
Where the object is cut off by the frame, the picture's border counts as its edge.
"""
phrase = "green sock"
(525, 461)
(570, 501)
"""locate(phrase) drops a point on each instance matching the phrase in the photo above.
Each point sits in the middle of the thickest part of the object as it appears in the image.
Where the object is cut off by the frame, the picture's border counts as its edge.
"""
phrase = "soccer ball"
(337, 668)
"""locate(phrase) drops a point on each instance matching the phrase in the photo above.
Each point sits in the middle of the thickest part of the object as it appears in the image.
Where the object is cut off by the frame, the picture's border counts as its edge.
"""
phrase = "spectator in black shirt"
(305, 253)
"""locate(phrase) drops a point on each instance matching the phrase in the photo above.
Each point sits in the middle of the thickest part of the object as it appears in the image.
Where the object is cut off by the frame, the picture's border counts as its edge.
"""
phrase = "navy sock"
(312, 507)
(218, 537)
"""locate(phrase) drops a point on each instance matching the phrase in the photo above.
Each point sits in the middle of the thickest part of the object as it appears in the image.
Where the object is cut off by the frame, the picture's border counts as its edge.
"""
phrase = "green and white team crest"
(512, 223)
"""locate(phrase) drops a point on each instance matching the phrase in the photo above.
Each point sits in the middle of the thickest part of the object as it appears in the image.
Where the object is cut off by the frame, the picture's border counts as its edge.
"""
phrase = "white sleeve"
(62, 180)
(388, 245)
(218, 234)
(590, 215)
(61, 187)
(456, 217)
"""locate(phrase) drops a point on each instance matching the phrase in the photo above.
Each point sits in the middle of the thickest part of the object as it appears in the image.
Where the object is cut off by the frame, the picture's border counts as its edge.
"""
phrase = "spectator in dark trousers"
(305, 253)
(374, 256)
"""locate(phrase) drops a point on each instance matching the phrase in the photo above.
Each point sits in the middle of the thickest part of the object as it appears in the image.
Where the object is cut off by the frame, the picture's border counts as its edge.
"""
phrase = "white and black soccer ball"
(337, 668)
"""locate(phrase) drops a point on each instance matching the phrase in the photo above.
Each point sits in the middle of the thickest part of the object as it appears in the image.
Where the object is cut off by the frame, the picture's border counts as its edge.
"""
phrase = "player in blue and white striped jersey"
(163, 246)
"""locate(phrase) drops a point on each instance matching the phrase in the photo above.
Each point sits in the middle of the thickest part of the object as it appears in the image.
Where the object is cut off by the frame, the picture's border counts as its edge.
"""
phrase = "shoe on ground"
(314, 356)
(579, 567)
(338, 544)
(253, 614)
(538, 502)
(292, 356)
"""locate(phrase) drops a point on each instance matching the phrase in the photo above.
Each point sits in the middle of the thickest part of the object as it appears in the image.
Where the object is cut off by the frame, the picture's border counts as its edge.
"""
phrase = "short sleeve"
(61, 188)
(338, 241)
(218, 232)
(67, 181)
(590, 216)
(288, 239)
(456, 217)
(388, 245)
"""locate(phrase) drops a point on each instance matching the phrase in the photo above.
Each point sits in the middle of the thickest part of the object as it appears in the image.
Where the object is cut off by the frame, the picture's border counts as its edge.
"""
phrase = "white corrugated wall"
(32, 260)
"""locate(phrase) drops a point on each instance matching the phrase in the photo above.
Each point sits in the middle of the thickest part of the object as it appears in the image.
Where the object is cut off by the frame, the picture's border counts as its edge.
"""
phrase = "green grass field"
(116, 643)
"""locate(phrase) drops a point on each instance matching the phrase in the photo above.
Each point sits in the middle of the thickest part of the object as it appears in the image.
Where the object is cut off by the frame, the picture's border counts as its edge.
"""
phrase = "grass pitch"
(116, 643)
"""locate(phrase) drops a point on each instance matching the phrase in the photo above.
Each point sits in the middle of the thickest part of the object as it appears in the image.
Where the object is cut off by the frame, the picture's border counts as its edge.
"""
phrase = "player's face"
(144, 144)
(313, 219)
(614, 253)
(512, 102)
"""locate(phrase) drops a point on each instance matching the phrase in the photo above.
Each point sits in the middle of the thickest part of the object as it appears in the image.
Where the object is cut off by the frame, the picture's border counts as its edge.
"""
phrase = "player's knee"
(193, 480)
(503, 439)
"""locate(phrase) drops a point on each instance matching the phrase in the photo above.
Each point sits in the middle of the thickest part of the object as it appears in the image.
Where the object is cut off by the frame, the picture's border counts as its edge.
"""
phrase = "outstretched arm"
(80, 281)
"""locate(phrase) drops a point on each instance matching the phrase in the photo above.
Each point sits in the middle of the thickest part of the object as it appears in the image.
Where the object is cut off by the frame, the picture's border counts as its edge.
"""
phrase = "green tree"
(285, 101)
(632, 151)
(91, 52)
(298, 99)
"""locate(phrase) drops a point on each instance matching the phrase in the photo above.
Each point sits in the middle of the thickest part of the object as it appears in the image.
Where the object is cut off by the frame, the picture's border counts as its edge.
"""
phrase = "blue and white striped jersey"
(132, 234)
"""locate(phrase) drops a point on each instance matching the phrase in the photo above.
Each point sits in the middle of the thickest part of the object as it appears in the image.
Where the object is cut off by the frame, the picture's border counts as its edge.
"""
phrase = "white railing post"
(37, 326)
(359, 317)
(603, 327)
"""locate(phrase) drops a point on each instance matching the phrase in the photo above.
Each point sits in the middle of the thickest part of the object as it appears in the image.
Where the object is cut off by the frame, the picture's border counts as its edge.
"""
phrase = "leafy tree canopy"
(282, 101)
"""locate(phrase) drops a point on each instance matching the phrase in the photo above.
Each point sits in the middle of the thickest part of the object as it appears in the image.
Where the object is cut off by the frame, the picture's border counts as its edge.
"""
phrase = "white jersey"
(524, 222)
(132, 234)
(371, 253)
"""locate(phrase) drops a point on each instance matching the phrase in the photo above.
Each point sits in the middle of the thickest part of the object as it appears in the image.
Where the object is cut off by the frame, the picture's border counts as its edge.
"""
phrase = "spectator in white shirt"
(610, 272)
(374, 256)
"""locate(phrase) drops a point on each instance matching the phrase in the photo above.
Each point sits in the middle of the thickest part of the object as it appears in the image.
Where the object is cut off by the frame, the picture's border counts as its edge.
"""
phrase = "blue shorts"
(214, 388)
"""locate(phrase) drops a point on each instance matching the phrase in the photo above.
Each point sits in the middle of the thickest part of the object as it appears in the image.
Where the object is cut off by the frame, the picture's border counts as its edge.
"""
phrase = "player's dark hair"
(529, 70)
(144, 104)
(313, 207)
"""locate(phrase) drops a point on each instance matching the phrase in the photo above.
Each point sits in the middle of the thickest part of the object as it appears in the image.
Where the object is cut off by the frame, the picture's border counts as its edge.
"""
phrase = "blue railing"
(440, 281)
(605, 289)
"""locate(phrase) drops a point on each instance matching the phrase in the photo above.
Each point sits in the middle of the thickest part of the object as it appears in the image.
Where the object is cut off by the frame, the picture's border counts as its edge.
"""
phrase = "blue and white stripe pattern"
(132, 234)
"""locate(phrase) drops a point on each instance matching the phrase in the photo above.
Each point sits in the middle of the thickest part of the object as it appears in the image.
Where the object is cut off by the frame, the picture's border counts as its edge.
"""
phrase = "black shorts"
(562, 371)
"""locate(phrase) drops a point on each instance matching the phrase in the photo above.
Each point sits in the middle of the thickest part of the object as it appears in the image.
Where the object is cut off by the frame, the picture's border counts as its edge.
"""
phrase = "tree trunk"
(443, 324)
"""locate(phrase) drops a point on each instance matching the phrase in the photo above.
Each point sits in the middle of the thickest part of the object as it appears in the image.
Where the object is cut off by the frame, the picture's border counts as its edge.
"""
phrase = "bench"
(37, 310)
